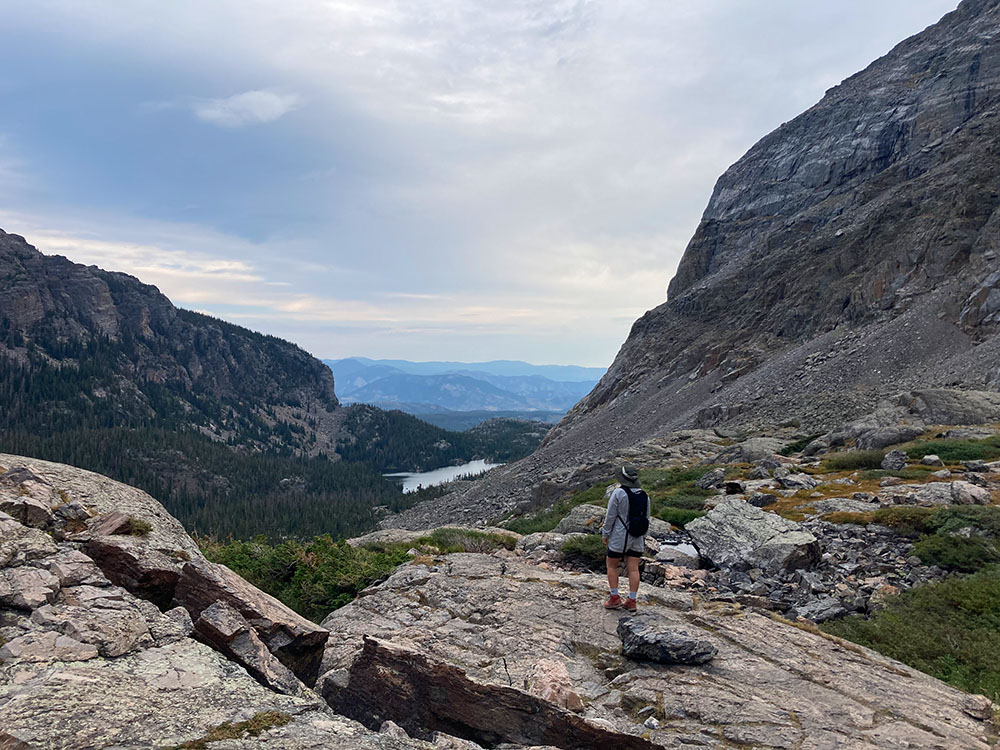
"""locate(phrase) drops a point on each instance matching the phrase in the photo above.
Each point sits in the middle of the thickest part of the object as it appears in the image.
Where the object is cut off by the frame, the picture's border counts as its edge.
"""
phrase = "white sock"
(614, 592)
(633, 594)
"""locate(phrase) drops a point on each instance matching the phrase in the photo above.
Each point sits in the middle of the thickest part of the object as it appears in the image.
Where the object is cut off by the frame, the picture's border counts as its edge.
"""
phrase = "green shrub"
(685, 500)
(950, 630)
(678, 516)
(854, 460)
(959, 553)
(588, 550)
(313, 579)
(653, 480)
(255, 726)
(799, 445)
(985, 518)
(466, 540)
(549, 518)
(955, 451)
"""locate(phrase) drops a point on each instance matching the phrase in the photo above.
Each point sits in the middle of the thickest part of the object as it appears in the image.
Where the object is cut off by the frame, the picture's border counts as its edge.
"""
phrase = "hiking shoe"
(629, 604)
(613, 602)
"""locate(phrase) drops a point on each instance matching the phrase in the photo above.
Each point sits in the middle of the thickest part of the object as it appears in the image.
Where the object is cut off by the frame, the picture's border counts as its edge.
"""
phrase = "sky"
(419, 179)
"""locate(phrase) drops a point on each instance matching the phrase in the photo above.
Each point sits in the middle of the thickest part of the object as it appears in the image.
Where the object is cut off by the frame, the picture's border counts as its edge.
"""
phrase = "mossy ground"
(253, 727)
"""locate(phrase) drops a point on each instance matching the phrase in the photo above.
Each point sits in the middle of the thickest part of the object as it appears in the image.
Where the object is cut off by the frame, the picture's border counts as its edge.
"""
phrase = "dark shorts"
(619, 555)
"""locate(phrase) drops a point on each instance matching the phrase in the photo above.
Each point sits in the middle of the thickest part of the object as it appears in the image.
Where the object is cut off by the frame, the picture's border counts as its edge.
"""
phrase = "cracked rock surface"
(770, 685)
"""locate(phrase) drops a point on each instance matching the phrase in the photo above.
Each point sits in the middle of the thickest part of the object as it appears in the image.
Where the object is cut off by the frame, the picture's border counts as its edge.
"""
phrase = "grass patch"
(136, 527)
(852, 460)
(910, 473)
(950, 630)
(588, 550)
(678, 516)
(548, 519)
(955, 451)
(318, 577)
(253, 727)
(449, 541)
(798, 445)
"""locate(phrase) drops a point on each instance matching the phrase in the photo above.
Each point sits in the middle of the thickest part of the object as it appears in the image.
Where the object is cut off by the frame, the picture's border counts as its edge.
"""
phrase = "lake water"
(440, 476)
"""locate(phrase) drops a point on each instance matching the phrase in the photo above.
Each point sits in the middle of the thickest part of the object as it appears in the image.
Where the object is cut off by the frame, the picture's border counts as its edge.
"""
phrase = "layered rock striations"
(849, 256)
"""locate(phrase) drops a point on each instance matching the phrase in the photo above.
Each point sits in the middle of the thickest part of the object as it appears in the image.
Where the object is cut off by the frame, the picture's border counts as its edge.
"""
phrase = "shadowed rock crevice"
(423, 695)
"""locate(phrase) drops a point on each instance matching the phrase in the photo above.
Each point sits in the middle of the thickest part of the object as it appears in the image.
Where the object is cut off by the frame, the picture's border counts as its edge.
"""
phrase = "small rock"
(762, 499)
(651, 723)
(941, 474)
(894, 461)
(735, 487)
(649, 637)
(978, 466)
(712, 479)
(932, 459)
(890, 482)
(798, 482)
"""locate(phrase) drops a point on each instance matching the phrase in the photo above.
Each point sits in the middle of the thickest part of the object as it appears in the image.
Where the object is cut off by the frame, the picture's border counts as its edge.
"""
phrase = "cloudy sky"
(422, 179)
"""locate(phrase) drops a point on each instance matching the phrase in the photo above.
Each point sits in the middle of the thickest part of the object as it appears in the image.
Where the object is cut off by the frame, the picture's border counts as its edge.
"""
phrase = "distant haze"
(452, 179)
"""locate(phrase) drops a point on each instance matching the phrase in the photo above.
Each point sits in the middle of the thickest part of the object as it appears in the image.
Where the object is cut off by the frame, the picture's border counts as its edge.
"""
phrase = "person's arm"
(611, 515)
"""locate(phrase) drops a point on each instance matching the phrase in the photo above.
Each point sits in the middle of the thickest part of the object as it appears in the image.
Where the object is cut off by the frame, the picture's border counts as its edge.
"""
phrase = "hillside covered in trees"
(237, 433)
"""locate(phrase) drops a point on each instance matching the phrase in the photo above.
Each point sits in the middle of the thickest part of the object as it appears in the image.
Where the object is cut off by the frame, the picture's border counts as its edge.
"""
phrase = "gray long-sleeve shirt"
(615, 520)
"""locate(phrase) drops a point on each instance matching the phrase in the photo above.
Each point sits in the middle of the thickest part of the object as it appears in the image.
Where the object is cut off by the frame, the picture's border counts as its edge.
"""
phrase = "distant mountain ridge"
(429, 387)
(230, 428)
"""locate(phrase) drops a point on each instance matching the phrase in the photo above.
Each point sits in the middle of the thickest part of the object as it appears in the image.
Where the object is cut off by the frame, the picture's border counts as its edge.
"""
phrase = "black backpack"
(638, 517)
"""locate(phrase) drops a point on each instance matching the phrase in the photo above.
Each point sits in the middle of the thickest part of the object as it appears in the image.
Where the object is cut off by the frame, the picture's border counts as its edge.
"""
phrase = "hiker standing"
(624, 534)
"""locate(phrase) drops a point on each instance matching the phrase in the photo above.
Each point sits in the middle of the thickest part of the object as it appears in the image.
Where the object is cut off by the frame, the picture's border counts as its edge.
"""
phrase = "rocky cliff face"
(137, 355)
(116, 632)
(854, 245)
(848, 256)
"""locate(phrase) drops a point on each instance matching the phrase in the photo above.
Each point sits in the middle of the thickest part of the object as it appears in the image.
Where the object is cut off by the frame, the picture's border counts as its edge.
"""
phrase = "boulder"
(659, 529)
(762, 499)
(225, 630)
(20, 544)
(586, 519)
(296, 642)
(966, 493)
(44, 646)
(547, 540)
(758, 449)
(131, 563)
(883, 437)
(949, 406)
(73, 568)
(737, 535)
(932, 459)
(673, 555)
(894, 461)
(27, 587)
(734, 487)
(27, 510)
(115, 625)
(423, 695)
(711, 479)
(977, 466)
(648, 637)
(800, 481)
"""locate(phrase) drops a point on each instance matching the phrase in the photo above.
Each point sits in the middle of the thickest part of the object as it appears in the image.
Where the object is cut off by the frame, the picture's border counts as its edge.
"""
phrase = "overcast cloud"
(429, 179)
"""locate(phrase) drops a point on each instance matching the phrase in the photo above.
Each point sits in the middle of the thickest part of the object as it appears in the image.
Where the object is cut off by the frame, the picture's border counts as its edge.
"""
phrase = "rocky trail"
(116, 632)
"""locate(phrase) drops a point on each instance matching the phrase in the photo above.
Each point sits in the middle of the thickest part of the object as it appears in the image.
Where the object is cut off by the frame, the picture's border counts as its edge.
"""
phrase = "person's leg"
(633, 576)
(612, 573)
